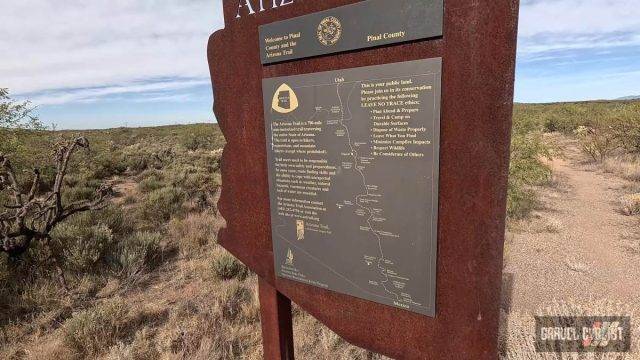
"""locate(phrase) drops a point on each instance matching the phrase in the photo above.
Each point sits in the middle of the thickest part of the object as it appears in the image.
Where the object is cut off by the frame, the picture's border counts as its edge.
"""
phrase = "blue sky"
(109, 63)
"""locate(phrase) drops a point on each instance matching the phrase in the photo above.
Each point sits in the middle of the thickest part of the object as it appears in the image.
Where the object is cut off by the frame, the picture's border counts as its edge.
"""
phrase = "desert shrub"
(200, 181)
(627, 167)
(631, 204)
(141, 251)
(193, 232)
(71, 180)
(91, 332)
(226, 267)
(231, 299)
(628, 134)
(556, 122)
(106, 165)
(129, 200)
(520, 201)
(598, 143)
(315, 341)
(625, 125)
(193, 142)
(137, 162)
(112, 217)
(94, 183)
(222, 323)
(143, 347)
(41, 296)
(160, 205)
(526, 168)
(150, 184)
(115, 219)
(82, 247)
(150, 173)
(79, 193)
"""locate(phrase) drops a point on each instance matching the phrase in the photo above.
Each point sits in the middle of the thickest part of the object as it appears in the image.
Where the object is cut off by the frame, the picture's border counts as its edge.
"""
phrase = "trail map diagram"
(353, 180)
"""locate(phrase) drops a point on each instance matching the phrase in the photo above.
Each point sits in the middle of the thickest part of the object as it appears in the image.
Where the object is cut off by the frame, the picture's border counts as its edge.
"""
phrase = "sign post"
(366, 164)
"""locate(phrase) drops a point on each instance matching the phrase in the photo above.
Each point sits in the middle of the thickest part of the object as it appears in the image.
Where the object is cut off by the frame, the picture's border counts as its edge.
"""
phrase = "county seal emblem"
(329, 31)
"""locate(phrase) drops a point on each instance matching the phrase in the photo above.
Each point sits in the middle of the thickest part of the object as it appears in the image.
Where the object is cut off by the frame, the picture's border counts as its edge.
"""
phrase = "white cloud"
(91, 94)
(68, 51)
(116, 44)
(555, 25)
(579, 17)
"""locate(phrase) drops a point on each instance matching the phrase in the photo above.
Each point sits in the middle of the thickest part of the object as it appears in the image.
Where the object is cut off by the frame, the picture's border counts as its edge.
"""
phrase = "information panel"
(353, 180)
(357, 26)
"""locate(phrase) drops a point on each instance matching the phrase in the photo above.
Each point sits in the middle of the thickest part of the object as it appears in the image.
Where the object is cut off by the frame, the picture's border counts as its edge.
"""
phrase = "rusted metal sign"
(477, 52)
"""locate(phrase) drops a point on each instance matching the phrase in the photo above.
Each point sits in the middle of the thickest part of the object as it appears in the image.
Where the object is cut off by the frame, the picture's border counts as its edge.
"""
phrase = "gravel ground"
(575, 248)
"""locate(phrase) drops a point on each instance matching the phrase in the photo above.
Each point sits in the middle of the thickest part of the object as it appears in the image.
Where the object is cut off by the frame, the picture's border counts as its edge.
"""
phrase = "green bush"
(137, 162)
(598, 143)
(141, 251)
(112, 216)
(82, 246)
(193, 142)
(227, 267)
(91, 332)
(520, 201)
(78, 193)
(107, 165)
(526, 168)
(71, 180)
(94, 183)
(150, 184)
(160, 205)
(150, 173)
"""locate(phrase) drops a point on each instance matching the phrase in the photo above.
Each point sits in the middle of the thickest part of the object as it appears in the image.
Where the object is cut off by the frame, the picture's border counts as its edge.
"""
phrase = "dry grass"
(625, 166)
(225, 266)
(143, 347)
(91, 332)
(630, 204)
(314, 341)
(518, 330)
(220, 323)
(194, 232)
(576, 265)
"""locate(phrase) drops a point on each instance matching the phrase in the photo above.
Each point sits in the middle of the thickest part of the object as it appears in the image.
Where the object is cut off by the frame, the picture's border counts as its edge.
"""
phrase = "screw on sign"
(366, 165)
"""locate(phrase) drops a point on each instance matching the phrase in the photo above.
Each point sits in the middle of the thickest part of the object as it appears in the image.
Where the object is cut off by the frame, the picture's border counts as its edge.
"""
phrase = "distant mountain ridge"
(632, 97)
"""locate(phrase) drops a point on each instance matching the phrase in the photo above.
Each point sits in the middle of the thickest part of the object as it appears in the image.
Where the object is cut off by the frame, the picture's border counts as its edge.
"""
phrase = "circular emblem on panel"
(329, 31)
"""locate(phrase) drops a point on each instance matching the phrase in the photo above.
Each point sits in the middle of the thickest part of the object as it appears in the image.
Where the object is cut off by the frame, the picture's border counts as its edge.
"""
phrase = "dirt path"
(574, 248)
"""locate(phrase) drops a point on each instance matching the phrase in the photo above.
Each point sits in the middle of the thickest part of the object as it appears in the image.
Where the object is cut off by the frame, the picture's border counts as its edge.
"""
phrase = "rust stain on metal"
(478, 51)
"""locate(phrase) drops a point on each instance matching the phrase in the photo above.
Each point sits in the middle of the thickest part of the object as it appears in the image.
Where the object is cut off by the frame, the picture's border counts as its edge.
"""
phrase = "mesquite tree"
(15, 118)
(30, 215)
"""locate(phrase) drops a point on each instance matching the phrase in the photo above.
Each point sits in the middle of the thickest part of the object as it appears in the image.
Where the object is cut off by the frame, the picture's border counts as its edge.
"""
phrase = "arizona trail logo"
(284, 100)
(329, 31)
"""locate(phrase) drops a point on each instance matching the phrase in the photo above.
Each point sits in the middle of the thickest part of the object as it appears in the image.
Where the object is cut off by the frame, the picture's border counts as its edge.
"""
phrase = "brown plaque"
(353, 170)
(478, 61)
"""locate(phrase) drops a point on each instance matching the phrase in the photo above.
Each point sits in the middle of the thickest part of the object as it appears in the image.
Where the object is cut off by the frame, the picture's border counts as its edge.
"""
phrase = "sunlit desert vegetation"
(142, 277)
(608, 133)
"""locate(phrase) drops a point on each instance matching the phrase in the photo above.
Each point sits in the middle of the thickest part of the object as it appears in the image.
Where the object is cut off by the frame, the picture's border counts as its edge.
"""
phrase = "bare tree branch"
(32, 216)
